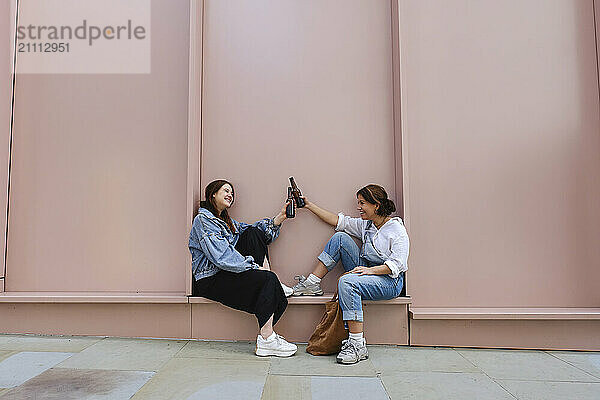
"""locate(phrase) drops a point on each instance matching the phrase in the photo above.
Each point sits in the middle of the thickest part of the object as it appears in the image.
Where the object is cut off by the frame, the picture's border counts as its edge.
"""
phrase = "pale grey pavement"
(82, 368)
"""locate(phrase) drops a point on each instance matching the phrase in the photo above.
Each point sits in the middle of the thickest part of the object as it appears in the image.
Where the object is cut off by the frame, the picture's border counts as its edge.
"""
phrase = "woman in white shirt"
(374, 272)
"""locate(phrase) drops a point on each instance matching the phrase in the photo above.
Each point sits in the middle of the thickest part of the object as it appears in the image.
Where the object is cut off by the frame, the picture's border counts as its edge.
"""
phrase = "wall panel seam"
(597, 44)
(402, 122)
(394, 99)
(201, 133)
(10, 142)
(194, 115)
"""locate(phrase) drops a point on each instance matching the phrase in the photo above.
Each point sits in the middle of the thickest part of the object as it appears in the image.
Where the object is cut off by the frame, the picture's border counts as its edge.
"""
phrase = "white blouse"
(391, 240)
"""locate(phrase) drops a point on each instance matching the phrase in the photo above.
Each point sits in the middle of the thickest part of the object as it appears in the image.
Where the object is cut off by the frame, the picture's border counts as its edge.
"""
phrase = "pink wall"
(500, 126)
(98, 197)
(497, 124)
(6, 45)
(299, 88)
(107, 207)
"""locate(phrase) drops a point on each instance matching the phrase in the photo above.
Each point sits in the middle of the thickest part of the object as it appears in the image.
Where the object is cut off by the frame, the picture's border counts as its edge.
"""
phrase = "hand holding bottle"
(307, 203)
(279, 218)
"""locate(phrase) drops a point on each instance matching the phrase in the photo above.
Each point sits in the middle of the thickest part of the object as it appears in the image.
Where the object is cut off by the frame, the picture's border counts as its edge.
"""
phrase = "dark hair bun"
(376, 194)
(387, 207)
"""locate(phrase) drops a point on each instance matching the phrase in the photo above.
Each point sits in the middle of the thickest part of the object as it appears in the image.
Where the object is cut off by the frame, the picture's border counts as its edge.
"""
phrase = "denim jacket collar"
(208, 214)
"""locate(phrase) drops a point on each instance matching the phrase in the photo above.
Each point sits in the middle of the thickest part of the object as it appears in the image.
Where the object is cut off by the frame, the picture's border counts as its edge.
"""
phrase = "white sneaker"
(288, 291)
(352, 351)
(277, 346)
(303, 288)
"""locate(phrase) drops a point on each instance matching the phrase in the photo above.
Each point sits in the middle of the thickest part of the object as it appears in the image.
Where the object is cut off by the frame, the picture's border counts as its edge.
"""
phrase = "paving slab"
(350, 388)
(443, 386)
(69, 344)
(589, 362)
(304, 363)
(78, 384)
(233, 390)
(220, 350)
(279, 387)
(20, 367)
(536, 390)
(525, 365)
(6, 353)
(126, 355)
(196, 378)
(391, 359)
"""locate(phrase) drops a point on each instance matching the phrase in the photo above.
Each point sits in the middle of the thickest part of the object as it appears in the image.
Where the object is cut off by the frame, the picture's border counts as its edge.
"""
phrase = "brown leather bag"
(329, 333)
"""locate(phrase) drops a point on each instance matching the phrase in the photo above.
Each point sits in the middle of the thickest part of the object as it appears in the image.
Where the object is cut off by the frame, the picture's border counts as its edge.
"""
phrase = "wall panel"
(299, 88)
(500, 125)
(98, 197)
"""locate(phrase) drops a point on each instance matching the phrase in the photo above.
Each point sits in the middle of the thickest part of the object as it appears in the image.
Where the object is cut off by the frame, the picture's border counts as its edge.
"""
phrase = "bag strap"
(335, 296)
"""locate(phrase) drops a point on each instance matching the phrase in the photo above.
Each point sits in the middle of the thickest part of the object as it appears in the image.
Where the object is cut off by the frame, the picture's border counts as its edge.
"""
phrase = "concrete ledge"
(93, 297)
(505, 313)
(172, 315)
(314, 300)
(507, 333)
(124, 320)
(383, 324)
(156, 298)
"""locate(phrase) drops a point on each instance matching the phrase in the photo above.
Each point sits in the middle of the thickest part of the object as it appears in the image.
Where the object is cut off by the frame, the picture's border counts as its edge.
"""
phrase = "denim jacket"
(212, 244)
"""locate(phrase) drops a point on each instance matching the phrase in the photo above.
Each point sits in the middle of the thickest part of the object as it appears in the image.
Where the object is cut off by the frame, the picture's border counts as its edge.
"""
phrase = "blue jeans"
(353, 288)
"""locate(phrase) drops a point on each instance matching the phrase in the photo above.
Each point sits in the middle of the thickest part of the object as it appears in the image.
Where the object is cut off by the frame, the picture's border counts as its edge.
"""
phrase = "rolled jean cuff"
(327, 261)
(352, 315)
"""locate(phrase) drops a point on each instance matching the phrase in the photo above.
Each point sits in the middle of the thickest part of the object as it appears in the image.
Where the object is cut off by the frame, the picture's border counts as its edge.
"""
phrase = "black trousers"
(254, 291)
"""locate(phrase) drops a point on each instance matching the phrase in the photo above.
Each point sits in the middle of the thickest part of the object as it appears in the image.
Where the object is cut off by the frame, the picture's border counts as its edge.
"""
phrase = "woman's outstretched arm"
(270, 226)
(326, 216)
(279, 218)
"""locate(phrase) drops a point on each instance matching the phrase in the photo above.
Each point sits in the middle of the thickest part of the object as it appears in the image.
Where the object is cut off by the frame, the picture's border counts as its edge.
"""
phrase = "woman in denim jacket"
(373, 272)
(228, 263)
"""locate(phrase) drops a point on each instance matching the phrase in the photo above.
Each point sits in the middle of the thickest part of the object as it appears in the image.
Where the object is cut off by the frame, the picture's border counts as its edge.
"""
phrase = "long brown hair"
(376, 194)
(209, 202)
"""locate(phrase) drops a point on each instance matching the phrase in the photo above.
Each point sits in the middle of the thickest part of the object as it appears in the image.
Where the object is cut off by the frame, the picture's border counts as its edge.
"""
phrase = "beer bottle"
(297, 193)
(290, 209)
